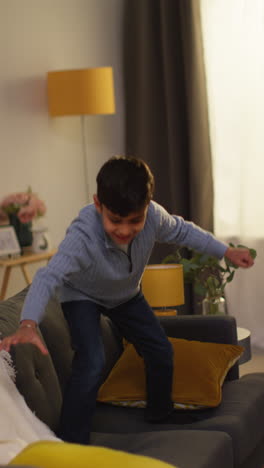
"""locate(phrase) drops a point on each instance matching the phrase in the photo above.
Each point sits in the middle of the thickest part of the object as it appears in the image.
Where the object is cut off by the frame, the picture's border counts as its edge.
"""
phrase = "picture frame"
(8, 242)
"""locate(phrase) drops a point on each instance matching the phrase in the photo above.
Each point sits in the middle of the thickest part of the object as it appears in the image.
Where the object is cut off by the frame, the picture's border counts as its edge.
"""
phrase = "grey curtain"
(166, 104)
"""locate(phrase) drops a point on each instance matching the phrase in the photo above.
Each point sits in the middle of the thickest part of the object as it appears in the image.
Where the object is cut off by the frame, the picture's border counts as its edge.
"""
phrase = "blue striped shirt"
(88, 265)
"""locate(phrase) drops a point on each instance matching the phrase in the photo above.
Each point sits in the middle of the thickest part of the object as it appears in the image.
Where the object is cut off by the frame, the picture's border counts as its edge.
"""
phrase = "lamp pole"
(85, 161)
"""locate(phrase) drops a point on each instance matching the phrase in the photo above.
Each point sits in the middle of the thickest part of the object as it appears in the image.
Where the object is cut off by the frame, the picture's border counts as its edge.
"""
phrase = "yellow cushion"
(49, 454)
(199, 372)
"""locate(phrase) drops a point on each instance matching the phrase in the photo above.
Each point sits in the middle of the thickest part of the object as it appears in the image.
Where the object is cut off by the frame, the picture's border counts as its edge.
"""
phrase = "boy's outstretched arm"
(239, 256)
(26, 333)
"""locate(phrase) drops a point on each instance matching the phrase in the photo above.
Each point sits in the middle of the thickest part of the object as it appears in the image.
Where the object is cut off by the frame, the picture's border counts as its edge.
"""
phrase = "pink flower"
(38, 205)
(26, 214)
(15, 199)
(26, 205)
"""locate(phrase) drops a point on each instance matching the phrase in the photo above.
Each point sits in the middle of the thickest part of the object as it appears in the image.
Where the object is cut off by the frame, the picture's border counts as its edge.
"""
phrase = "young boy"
(97, 270)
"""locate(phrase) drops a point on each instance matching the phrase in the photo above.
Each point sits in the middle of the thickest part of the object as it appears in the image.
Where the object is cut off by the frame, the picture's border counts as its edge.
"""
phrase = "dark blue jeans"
(138, 324)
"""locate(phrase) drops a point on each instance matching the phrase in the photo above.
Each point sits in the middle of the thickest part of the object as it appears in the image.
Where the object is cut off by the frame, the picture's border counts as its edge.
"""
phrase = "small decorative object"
(41, 240)
(22, 208)
(209, 277)
(8, 241)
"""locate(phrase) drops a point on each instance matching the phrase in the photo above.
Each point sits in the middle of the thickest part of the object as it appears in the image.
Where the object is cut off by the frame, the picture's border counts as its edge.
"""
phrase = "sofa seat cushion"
(240, 414)
(186, 449)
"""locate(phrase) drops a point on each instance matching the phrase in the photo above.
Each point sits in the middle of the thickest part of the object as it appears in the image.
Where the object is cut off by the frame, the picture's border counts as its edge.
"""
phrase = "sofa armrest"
(210, 328)
(36, 377)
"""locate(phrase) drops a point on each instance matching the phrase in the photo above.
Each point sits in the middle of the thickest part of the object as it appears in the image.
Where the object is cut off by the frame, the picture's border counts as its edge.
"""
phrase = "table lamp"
(81, 92)
(163, 287)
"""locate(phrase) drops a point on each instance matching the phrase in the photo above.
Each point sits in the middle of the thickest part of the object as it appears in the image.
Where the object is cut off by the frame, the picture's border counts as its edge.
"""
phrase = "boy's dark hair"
(125, 185)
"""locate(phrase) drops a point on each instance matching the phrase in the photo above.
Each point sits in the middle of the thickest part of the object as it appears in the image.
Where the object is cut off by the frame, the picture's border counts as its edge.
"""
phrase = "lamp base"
(165, 312)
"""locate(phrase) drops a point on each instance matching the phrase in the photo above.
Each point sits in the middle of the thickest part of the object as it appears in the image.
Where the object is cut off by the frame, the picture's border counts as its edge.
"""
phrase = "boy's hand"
(239, 256)
(24, 335)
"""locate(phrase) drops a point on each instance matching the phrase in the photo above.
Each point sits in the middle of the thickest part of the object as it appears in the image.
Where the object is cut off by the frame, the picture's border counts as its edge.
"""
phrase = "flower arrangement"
(25, 205)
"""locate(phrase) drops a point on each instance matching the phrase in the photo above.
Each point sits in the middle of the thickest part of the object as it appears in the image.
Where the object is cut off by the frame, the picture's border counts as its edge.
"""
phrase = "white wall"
(37, 36)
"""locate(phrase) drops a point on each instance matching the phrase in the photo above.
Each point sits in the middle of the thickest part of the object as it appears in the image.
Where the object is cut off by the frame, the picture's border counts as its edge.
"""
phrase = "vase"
(22, 230)
(214, 305)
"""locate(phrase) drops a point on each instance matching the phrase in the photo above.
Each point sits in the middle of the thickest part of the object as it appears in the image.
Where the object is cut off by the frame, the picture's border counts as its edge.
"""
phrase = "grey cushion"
(184, 449)
(10, 313)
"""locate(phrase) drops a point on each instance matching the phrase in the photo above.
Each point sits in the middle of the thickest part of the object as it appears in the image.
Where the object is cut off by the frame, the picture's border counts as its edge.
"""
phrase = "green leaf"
(230, 277)
(169, 259)
(199, 289)
(253, 253)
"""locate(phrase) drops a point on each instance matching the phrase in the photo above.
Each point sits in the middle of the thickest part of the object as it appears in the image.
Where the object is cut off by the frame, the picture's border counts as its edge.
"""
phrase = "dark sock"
(154, 415)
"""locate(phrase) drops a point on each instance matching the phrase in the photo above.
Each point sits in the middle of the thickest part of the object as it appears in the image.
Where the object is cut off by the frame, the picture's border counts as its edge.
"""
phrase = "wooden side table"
(22, 261)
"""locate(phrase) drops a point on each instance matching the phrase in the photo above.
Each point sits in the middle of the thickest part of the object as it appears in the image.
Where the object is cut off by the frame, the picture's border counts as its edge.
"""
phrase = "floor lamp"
(81, 92)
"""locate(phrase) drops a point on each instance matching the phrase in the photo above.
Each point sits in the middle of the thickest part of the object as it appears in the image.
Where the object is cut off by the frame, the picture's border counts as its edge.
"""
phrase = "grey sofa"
(229, 436)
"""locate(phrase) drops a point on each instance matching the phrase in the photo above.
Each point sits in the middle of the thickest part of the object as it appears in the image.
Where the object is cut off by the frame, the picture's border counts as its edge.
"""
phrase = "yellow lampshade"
(162, 285)
(84, 91)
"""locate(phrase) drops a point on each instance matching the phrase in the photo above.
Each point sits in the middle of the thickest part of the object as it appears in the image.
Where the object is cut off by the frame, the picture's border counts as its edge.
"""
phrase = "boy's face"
(121, 229)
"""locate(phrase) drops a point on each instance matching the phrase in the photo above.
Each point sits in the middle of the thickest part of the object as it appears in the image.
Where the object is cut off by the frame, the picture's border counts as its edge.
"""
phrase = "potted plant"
(208, 275)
